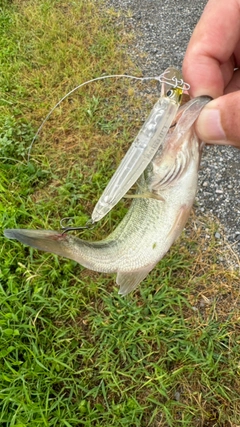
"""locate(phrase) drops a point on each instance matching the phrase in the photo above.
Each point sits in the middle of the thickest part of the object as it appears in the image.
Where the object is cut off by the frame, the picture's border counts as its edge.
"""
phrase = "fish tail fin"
(45, 240)
(130, 280)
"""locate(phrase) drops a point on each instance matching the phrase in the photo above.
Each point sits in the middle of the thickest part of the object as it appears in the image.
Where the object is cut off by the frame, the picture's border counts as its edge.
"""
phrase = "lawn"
(72, 351)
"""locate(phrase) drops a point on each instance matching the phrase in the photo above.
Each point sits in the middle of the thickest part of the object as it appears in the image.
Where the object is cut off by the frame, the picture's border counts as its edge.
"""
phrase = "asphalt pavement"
(163, 29)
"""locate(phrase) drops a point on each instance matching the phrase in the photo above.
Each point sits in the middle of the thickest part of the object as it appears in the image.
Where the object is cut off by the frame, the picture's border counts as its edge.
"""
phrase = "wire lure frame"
(176, 83)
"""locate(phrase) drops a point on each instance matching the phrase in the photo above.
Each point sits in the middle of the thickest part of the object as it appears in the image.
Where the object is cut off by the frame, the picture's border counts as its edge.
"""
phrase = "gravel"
(163, 29)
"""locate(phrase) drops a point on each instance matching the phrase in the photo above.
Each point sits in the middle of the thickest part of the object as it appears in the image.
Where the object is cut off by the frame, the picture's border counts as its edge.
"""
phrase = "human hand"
(211, 57)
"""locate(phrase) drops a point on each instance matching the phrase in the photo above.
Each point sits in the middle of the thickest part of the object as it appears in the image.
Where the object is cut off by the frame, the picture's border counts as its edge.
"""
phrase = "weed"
(15, 138)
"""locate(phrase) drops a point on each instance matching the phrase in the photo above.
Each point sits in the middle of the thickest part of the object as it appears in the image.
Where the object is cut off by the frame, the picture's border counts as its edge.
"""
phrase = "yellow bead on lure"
(157, 215)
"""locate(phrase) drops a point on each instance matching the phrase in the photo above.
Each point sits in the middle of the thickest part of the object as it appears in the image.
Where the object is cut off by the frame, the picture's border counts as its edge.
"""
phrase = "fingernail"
(209, 127)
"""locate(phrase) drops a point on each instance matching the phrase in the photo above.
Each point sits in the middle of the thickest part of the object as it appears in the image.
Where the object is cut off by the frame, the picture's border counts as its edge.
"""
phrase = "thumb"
(219, 121)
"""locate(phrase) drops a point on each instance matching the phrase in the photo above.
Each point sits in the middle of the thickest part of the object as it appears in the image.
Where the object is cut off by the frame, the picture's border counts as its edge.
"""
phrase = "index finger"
(209, 56)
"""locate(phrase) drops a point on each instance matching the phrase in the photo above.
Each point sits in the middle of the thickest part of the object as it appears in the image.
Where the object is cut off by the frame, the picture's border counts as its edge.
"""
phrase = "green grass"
(72, 351)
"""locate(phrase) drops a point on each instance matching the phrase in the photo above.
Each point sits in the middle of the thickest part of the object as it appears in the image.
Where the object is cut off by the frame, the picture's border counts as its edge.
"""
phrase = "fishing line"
(162, 78)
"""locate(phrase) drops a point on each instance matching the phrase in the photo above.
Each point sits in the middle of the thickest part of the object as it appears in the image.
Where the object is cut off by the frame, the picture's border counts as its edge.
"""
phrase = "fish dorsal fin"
(130, 280)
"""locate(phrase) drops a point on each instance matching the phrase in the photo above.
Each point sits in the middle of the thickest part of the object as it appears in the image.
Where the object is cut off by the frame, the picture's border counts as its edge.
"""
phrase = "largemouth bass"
(156, 217)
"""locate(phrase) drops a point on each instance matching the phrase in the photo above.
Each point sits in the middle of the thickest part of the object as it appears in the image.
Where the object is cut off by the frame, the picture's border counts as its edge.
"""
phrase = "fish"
(157, 215)
(145, 145)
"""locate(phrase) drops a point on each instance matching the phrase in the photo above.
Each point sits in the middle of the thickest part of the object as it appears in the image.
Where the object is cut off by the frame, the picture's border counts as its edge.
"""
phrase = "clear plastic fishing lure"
(146, 143)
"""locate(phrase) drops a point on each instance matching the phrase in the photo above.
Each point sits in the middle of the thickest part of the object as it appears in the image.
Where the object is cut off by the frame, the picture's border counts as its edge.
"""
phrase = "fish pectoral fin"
(130, 280)
(146, 195)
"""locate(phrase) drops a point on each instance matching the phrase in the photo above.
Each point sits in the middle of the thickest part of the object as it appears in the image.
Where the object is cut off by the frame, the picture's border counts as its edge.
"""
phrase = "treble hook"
(88, 226)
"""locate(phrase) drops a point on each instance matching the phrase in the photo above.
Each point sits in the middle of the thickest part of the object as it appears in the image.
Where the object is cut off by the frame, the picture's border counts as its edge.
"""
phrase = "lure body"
(157, 215)
(144, 147)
